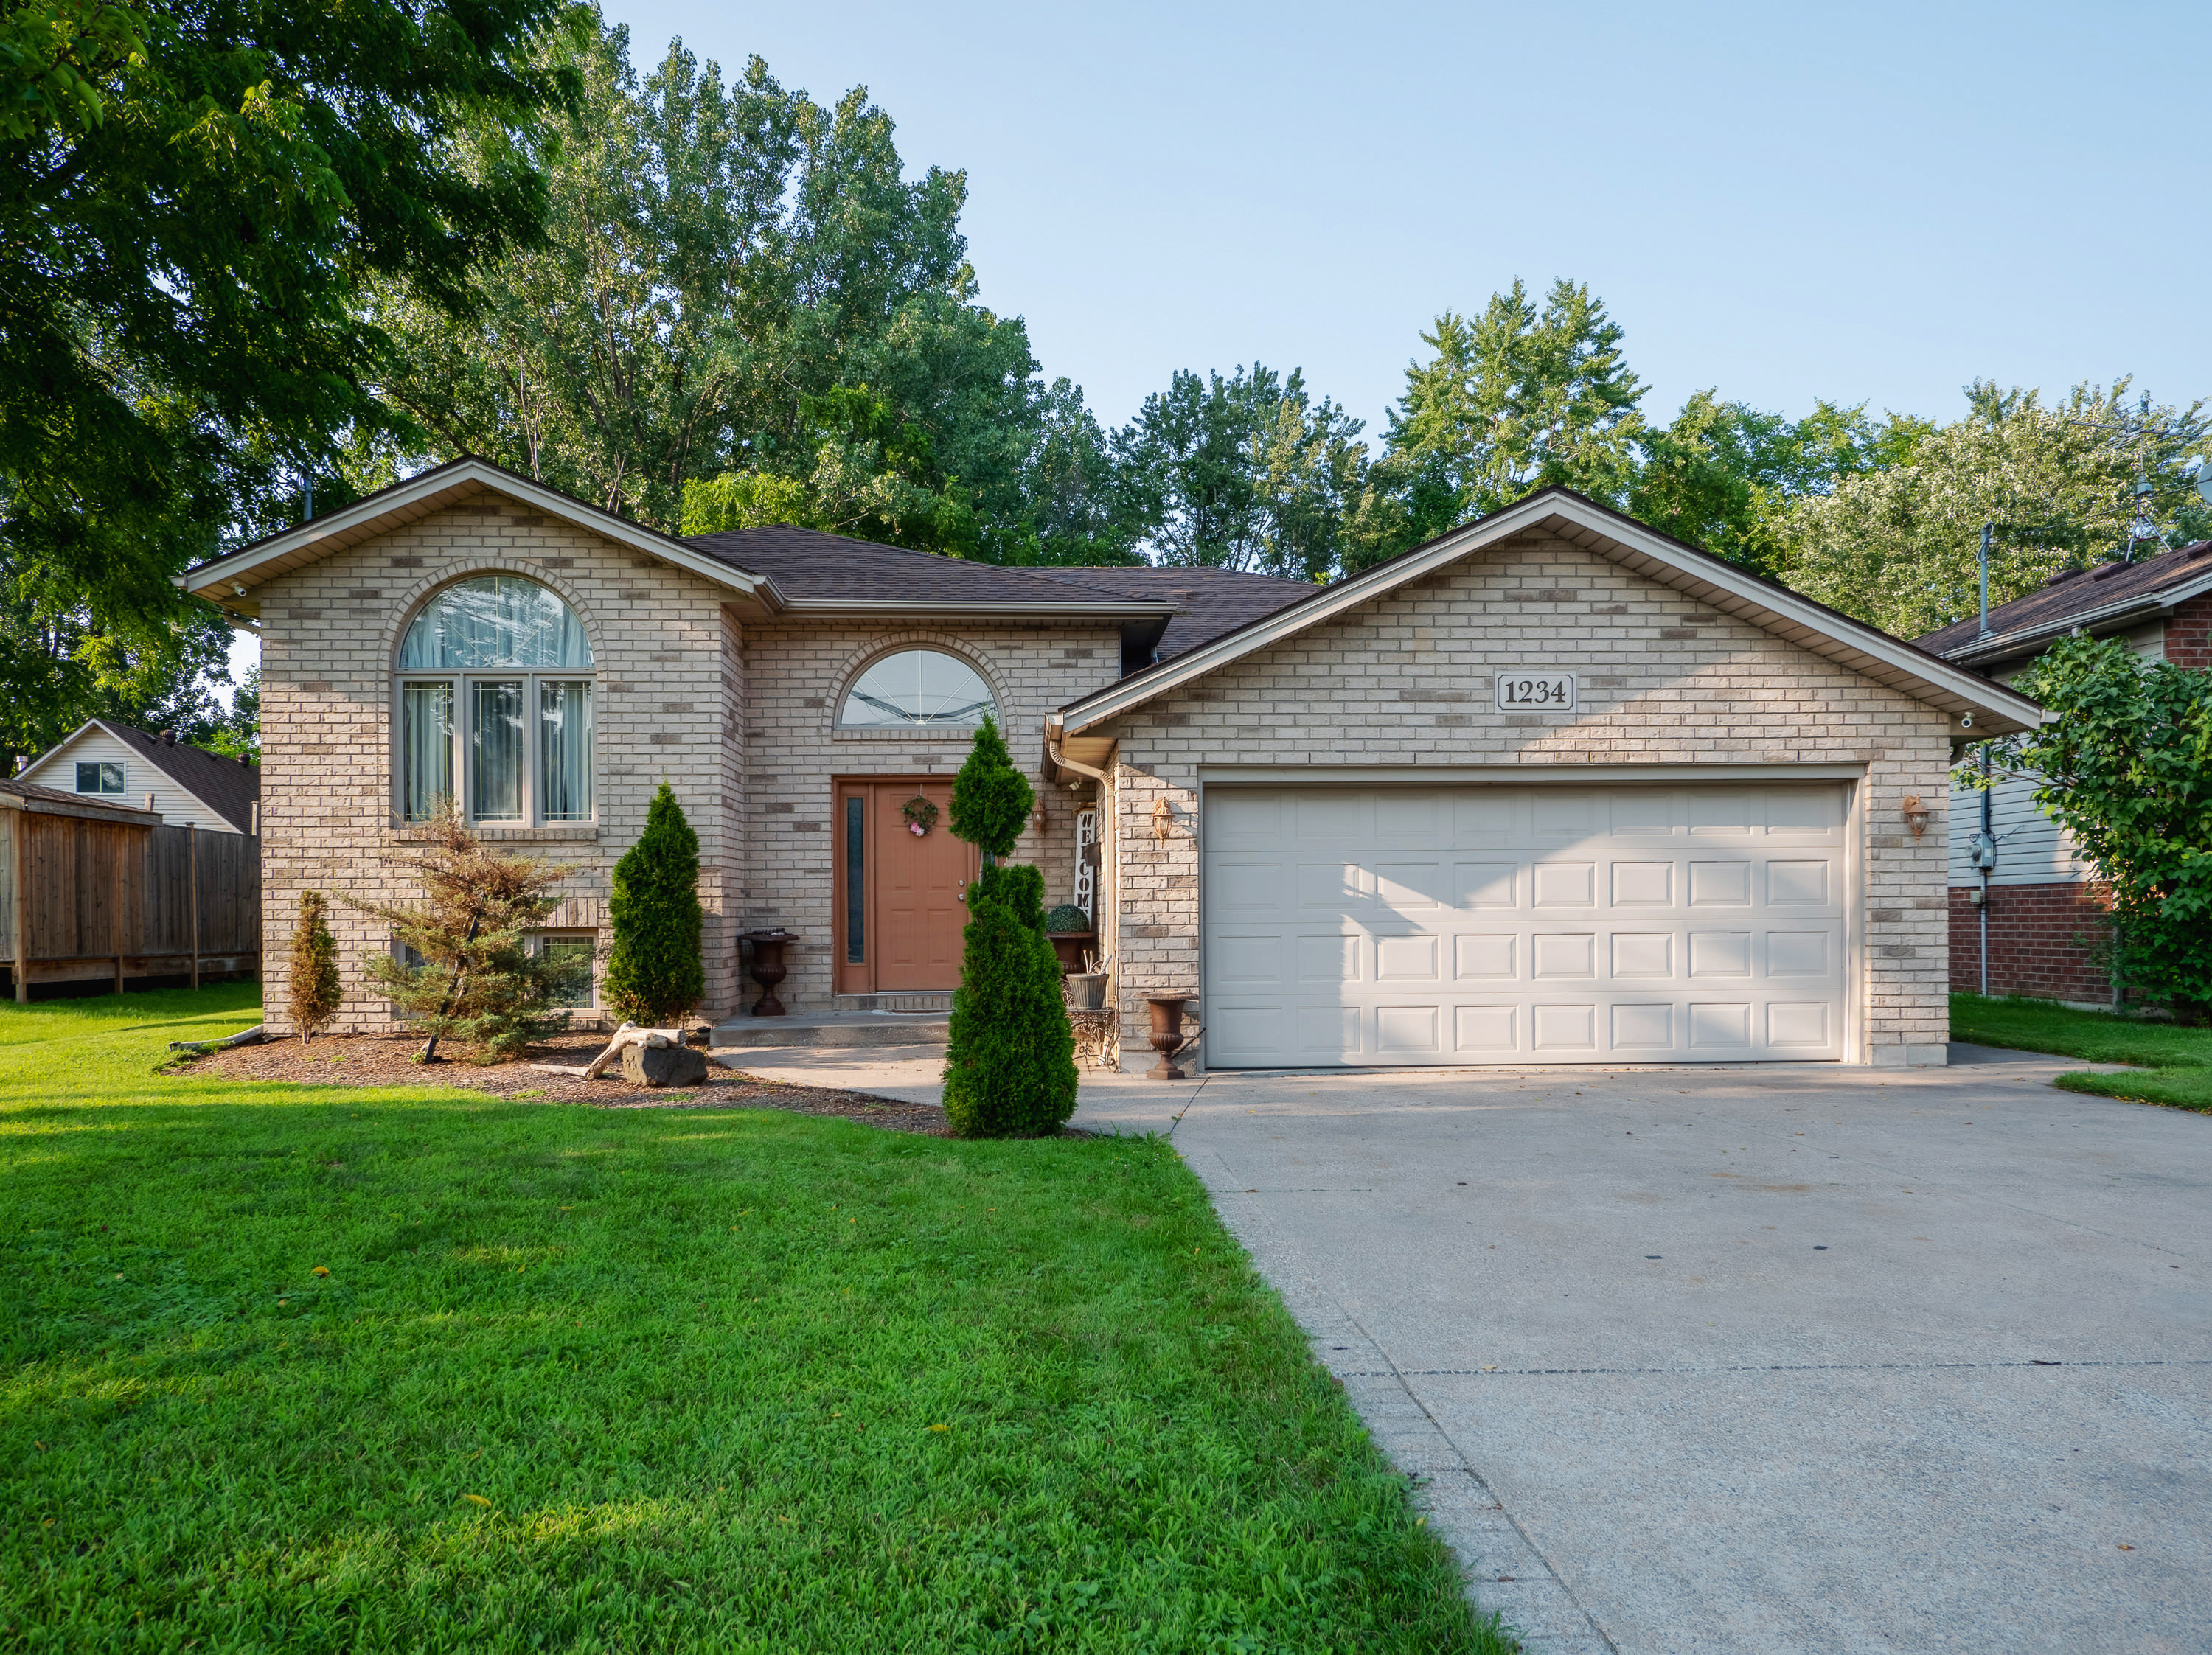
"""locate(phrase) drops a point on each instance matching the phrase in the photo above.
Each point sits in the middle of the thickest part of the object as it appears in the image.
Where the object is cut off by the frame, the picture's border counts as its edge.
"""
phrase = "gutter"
(2143, 607)
(1054, 731)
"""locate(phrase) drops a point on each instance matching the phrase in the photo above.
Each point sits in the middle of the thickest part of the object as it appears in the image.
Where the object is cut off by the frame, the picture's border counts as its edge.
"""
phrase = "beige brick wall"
(670, 684)
(797, 672)
(739, 719)
(1406, 680)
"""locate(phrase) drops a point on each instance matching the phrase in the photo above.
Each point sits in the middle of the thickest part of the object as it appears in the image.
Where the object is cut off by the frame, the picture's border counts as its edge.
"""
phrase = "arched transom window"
(916, 686)
(495, 694)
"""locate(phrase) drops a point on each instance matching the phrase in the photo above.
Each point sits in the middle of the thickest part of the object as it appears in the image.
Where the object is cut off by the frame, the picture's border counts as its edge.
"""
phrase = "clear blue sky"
(1785, 202)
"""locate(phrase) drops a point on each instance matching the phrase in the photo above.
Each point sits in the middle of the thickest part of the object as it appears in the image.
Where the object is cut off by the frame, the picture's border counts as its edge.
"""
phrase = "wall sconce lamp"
(1162, 819)
(1038, 818)
(1915, 815)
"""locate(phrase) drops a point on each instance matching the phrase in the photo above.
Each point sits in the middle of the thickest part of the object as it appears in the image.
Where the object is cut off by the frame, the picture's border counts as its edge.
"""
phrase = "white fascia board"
(215, 581)
(62, 746)
(1967, 687)
(2143, 604)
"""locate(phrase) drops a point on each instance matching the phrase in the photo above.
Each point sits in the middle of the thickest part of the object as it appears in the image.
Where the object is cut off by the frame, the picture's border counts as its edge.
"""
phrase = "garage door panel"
(1643, 1029)
(1531, 924)
(1565, 884)
(1408, 959)
(1485, 1033)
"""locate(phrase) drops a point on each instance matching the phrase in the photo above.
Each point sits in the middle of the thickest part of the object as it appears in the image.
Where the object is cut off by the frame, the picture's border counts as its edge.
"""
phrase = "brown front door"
(899, 908)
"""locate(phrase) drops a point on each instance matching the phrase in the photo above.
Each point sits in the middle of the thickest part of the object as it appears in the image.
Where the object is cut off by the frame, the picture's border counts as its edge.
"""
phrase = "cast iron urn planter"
(1166, 1034)
(769, 968)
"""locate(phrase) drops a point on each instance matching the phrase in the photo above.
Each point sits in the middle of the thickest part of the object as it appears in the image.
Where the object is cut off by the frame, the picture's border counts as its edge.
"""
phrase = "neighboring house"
(2046, 914)
(1552, 788)
(121, 764)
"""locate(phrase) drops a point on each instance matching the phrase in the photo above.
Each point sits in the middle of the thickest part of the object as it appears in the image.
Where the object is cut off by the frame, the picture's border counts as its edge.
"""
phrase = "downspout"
(1988, 838)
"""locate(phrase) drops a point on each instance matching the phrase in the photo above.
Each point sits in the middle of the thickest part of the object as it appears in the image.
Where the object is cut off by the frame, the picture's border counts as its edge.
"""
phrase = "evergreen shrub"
(471, 973)
(654, 973)
(1009, 1056)
(313, 994)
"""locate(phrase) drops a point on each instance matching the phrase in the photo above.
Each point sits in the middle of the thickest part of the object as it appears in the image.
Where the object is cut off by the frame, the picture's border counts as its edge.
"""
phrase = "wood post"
(115, 851)
(192, 881)
(17, 929)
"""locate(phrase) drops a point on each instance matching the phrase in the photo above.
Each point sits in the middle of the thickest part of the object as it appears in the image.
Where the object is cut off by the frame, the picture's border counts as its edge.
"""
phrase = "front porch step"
(933, 1001)
(839, 1029)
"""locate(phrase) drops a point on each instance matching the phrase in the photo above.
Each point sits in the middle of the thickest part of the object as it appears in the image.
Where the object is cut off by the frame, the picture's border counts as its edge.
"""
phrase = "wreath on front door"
(920, 816)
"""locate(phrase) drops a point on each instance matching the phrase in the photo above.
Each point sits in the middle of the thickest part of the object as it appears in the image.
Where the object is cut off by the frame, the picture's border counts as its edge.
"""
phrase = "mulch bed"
(386, 1060)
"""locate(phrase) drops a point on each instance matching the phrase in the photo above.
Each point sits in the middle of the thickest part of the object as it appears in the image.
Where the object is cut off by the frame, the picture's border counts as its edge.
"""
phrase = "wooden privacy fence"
(91, 891)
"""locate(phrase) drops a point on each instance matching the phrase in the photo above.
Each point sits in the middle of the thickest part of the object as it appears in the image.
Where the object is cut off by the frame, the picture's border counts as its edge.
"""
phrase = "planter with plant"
(1010, 1054)
(1072, 936)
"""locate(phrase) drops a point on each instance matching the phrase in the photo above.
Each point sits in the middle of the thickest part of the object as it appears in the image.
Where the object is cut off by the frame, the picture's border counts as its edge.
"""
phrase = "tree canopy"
(193, 199)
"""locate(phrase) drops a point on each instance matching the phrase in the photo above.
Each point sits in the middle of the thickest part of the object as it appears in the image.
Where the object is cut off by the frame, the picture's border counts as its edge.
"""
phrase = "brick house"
(2041, 911)
(1552, 788)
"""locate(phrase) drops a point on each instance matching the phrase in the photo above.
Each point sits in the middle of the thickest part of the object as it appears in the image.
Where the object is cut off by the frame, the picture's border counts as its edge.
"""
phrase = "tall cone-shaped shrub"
(654, 975)
(1010, 1057)
(312, 993)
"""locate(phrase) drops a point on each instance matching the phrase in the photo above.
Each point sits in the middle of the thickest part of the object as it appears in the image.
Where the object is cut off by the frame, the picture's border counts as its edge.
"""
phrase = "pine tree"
(1009, 1056)
(313, 994)
(654, 974)
(474, 976)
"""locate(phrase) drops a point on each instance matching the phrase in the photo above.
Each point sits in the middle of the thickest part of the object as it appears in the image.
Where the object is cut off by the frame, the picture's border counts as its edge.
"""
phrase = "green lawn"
(2178, 1061)
(655, 1379)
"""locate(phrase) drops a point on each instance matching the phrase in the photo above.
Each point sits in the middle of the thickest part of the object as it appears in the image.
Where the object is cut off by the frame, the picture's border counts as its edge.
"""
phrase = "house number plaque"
(1523, 691)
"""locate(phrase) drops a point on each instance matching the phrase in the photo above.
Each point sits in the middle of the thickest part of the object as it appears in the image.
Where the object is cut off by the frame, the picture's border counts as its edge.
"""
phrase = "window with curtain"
(494, 706)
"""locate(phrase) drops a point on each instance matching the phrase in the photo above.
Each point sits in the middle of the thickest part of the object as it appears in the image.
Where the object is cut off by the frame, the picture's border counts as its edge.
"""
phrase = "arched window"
(917, 687)
(494, 694)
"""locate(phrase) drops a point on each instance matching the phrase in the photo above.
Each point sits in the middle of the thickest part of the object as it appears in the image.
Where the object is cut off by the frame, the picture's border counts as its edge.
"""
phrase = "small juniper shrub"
(473, 976)
(654, 973)
(1010, 1056)
(312, 993)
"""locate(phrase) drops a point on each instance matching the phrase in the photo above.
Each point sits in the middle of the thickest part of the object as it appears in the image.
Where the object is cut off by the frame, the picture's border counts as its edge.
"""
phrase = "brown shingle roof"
(2080, 592)
(807, 564)
(224, 786)
(77, 804)
(1215, 601)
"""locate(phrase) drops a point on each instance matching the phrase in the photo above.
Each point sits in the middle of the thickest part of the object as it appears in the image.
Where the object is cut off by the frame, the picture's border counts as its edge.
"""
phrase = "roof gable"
(226, 579)
(222, 785)
(1598, 529)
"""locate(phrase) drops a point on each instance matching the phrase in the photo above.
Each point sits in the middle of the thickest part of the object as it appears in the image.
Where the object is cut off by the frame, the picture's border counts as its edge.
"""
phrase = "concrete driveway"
(1768, 1361)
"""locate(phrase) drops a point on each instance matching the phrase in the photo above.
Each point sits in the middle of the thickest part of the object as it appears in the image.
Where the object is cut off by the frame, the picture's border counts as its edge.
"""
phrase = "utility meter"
(1982, 852)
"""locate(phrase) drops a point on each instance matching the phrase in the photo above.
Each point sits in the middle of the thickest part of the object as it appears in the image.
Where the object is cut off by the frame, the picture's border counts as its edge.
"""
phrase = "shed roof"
(2104, 598)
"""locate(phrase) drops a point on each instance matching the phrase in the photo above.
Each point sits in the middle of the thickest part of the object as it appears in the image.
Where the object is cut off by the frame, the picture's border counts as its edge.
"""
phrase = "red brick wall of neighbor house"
(2189, 633)
(2042, 942)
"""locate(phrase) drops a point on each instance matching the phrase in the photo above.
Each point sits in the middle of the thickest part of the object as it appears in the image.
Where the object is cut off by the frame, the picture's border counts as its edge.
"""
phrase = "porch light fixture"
(1038, 818)
(1915, 815)
(1162, 819)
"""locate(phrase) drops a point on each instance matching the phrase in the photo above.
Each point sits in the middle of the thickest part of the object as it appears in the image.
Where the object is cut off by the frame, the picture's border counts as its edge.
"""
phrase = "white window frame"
(838, 726)
(118, 791)
(464, 755)
(536, 941)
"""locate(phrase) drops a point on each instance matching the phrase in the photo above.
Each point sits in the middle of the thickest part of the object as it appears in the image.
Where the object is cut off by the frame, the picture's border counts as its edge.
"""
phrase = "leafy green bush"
(1067, 917)
(1010, 1055)
(654, 974)
(2125, 770)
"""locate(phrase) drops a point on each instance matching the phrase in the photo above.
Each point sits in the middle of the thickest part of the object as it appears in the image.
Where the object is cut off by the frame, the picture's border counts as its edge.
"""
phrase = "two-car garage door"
(1524, 924)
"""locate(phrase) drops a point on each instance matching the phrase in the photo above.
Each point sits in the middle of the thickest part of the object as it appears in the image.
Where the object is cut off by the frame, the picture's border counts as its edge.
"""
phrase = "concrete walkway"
(1766, 1360)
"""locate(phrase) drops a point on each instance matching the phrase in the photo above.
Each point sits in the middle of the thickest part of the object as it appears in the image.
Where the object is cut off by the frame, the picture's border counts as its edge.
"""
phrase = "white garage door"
(1505, 925)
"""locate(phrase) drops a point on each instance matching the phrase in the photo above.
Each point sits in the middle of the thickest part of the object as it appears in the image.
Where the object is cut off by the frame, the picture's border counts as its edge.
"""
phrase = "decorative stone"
(664, 1065)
